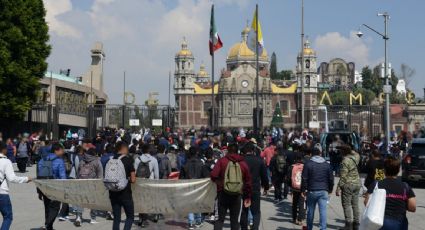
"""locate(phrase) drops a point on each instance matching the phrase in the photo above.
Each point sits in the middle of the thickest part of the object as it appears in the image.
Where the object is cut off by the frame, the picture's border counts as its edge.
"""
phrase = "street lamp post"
(387, 87)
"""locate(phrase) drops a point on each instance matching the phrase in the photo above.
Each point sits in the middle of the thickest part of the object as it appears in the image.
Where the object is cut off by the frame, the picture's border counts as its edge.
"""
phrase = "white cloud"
(333, 44)
(54, 9)
(139, 36)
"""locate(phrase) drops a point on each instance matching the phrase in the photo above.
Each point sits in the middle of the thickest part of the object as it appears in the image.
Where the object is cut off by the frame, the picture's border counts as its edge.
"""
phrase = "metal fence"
(358, 118)
(55, 119)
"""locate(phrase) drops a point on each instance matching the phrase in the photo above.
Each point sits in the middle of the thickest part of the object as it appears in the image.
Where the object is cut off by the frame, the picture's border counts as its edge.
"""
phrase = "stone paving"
(29, 213)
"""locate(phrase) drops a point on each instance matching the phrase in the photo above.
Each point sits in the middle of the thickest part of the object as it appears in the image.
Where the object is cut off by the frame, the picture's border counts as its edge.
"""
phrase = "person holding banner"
(7, 174)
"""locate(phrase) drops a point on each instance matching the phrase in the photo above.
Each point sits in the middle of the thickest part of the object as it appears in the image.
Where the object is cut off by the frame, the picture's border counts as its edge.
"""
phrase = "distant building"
(338, 74)
(236, 86)
(71, 95)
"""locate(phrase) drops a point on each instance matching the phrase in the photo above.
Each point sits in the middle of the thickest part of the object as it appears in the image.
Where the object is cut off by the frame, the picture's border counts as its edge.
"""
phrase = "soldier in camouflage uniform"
(349, 187)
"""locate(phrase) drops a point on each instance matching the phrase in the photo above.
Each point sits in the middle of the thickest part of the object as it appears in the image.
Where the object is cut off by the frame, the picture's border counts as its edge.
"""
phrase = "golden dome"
(202, 72)
(307, 49)
(184, 51)
(241, 49)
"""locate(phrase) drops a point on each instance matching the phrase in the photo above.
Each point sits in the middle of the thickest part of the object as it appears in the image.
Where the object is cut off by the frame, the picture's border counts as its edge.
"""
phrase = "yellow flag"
(252, 34)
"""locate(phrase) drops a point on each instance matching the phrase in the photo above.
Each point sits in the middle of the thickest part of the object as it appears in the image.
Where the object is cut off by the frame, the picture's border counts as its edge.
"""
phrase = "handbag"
(373, 215)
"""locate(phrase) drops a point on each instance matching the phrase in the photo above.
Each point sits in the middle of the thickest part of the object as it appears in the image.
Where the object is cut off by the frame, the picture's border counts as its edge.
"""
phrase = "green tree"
(23, 53)
(284, 75)
(273, 67)
(277, 120)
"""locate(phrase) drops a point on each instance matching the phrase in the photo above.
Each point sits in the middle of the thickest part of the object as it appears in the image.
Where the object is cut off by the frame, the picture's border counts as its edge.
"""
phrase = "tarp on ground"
(150, 196)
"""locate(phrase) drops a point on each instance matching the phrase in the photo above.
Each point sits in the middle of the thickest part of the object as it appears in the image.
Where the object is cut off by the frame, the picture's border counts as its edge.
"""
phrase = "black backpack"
(162, 165)
(143, 170)
(193, 169)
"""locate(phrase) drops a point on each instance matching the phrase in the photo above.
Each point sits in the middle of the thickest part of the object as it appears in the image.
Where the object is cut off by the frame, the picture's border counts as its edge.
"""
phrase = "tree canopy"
(23, 54)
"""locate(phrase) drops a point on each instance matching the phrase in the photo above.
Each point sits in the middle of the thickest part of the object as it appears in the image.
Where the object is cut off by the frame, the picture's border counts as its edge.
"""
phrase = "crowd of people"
(244, 166)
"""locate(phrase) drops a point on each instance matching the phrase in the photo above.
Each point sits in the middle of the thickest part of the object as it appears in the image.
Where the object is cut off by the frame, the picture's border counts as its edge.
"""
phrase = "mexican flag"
(215, 41)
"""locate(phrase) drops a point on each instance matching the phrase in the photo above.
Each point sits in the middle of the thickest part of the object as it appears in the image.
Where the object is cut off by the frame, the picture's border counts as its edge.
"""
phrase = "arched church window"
(307, 80)
(183, 64)
(307, 64)
(183, 82)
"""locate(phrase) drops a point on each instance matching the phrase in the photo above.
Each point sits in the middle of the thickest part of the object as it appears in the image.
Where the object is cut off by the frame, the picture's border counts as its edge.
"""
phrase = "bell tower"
(310, 75)
(184, 75)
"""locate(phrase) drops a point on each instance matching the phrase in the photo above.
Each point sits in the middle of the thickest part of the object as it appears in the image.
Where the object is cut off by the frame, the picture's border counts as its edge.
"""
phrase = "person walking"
(234, 184)
(400, 197)
(316, 185)
(259, 180)
(279, 168)
(122, 199)
(51, 167)
(267, 155)
(194, 170)
(374, 169)
(349, 187)
(298, 201)
(89, 168)
(164, 163)
(7, 175)
(146, 167)
(23, 149)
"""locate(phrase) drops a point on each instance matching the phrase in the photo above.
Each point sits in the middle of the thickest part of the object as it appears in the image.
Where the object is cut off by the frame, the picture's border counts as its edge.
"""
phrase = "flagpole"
(302, 67)
(257, 88)
(212, 79)
(212, 93)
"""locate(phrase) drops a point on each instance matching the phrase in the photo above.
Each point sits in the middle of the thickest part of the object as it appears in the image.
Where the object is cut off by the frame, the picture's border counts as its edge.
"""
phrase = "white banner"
(149, 196)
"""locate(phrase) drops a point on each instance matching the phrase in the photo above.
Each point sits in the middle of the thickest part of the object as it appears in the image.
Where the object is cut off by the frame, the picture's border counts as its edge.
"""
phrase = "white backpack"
(115, 176)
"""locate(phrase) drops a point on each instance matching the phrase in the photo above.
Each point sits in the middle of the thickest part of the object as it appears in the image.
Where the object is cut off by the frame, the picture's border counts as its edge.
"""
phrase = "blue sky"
(142, 36)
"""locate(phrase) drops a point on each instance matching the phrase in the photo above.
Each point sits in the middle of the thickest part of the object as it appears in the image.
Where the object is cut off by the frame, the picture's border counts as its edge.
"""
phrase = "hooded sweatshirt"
(317, 175)
(153, 164)
(95, 161)
(217, 174)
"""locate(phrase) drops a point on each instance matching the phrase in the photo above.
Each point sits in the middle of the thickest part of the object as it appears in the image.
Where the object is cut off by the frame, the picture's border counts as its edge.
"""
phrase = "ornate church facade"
(235, 98)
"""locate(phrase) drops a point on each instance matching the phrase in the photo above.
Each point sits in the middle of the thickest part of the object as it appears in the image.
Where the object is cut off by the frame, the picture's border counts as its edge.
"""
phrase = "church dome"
(307, 49)
(184, 51)
(241, 50)
(202, 72)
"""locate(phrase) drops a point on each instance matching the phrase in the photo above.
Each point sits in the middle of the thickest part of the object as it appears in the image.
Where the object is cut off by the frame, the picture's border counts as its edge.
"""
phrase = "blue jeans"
(313, 198)
(6, 211)
(194, 218)
(393, 224)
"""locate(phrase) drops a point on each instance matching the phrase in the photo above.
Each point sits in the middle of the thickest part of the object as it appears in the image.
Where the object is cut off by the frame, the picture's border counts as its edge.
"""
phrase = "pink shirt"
(268, 153)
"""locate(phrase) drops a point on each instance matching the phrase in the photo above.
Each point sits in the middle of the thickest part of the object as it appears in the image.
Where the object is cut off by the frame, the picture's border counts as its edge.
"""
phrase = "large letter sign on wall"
(355, 98)
(325, 95)
(410, 98)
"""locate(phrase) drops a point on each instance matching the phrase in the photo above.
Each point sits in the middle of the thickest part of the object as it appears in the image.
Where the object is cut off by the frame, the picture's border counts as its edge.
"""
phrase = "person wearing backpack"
(51, 167)
(146, 167)
(298, 202)
(258, 172)
(317, 182)
(164, 163)
(349, 187)
(278, 168)
(7, 175)
(119, 175)
(233, 179)
(193, 170)
(89, 168)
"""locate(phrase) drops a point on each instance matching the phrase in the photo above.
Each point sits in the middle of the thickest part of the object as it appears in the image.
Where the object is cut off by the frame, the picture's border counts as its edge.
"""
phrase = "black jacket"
(194, 169)
(317, 175)
(258, 171)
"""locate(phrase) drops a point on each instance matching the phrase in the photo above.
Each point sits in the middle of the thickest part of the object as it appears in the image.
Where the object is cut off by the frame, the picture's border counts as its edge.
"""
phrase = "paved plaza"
(29, 213)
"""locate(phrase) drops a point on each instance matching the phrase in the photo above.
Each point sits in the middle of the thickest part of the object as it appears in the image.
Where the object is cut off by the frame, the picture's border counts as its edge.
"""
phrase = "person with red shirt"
(267, 154)
(226, 201)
